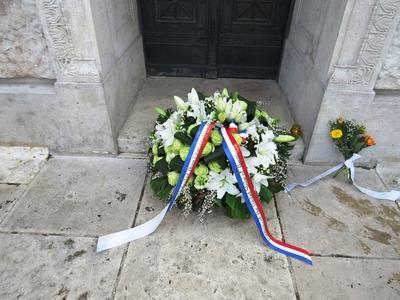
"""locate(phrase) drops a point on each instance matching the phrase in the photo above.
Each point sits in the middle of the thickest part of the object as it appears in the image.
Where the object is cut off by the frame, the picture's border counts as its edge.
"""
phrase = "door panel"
(250, 37)
(210, 38)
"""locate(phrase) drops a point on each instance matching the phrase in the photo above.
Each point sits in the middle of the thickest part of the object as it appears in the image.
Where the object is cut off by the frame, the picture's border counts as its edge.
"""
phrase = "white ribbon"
(393, 195)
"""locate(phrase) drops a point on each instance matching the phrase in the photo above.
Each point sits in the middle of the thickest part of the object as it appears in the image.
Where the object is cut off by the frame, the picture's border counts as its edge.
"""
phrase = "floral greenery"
(349, 136)
(266, 150)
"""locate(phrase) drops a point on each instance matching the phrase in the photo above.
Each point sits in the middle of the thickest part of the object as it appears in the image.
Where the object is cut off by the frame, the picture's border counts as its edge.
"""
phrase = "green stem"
(339, 171)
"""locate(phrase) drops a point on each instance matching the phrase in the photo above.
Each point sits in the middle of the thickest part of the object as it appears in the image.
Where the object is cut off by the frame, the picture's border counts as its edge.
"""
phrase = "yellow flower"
(336, 134)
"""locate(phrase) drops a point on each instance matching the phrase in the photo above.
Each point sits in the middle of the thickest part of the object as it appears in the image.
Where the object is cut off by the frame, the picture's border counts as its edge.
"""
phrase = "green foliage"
(183, 137)
(265, 194)
(176, 164)
(235, 208)
(160, 187)
(162, 166)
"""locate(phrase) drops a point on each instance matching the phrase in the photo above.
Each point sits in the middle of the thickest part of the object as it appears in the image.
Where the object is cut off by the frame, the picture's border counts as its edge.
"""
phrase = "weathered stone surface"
(186, 259)
(348, 278)
(333, 217)
(23, 48)
(19, 165)
(82, 195)
(159, 91)
(389, 172)
(9, 195)
(389, 77)
(70, 117)
(53, 267)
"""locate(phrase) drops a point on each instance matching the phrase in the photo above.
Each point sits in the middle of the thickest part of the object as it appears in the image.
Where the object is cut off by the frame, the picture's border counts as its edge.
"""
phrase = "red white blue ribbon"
(238, 165)
(239, 168)
(122, 237)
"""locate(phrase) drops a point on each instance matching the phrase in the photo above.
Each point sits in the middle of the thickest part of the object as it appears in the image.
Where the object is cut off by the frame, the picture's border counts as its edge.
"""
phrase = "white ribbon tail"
(112, 240)
(392, 195)
(291, 186)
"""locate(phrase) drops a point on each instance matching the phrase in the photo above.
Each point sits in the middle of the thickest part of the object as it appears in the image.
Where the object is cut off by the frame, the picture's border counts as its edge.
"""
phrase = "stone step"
(159, 91)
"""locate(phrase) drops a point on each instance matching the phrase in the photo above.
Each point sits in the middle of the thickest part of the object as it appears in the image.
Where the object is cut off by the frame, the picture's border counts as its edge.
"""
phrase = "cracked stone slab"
(54, 267)
(81, 196)
(220, 258)
(9, 195)
(348, 278)
(159, 91)
(19, 165)
(333, 217)
(390, 173)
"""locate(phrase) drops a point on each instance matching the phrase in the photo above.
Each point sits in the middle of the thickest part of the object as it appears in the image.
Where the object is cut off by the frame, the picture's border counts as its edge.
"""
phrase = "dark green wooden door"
(214, 38)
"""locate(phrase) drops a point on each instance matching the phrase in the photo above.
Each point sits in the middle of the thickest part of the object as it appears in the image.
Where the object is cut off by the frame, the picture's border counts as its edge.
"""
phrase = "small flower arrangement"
(349, 137)
(265, 145)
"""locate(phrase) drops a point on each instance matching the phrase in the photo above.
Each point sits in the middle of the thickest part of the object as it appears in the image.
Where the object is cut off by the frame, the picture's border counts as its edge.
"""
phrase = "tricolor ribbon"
(235, 157)
(392, 195)
(122, 237)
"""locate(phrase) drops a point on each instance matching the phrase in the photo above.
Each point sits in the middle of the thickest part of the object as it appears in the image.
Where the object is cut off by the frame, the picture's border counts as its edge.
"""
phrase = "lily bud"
(243, 105)
(220, 104)
(222, 117)
(180, 103)
(160, 111)
(154, 149)
(225, 93)
(284, 139)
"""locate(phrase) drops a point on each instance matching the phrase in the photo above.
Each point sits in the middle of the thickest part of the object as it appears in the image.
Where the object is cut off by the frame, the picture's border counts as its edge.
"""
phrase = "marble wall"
(389, 77)
(23, 48)
(77, 91)
(344, 81)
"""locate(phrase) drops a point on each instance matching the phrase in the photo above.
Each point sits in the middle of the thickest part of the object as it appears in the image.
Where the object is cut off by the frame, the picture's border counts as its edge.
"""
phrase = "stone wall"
(343, 81)
(306, 58)
(23, 47)
(389, 77)
(96, 69)
(120, 45)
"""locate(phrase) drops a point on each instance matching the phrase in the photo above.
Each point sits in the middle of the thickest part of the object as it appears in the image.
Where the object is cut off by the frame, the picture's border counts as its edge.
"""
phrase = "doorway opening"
(214, 38)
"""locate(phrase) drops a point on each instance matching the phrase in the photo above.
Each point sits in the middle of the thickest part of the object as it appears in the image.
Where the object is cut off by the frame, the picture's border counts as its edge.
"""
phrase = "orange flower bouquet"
(349, 137)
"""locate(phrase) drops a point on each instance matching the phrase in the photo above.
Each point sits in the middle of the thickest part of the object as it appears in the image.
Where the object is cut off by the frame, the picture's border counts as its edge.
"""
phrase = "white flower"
(222, 183)
(198, 110)
(265, 151)
(251, 164)
(252, 127)
(259, 179)
(245, 152)
(166, 130)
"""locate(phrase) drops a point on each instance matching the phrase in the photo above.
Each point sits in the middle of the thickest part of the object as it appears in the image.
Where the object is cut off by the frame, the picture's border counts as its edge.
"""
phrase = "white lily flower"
(245, 152)
(198, 110)
(265, 151)
(166, 130)
(222, 183)
(259, 179)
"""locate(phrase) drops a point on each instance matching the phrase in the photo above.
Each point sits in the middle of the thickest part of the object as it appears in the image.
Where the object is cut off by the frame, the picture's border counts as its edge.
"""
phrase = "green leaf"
(183, 137)
(160, 187)
(176, 164)
(162, 166)
(265, 194)
(164, 194)
(218, 153)
(235, 208)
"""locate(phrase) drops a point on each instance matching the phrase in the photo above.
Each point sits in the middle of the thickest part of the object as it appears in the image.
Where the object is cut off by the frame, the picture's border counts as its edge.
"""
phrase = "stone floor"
(49, 226)
(53, 209)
